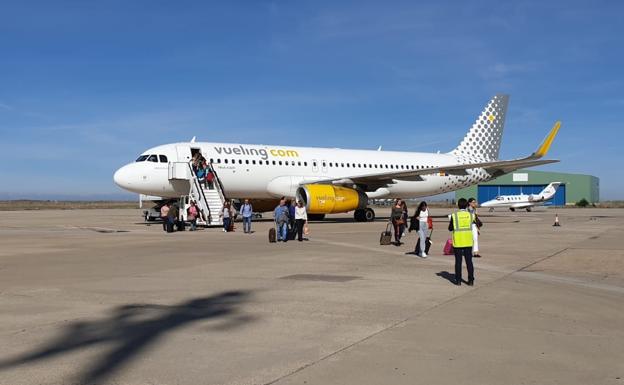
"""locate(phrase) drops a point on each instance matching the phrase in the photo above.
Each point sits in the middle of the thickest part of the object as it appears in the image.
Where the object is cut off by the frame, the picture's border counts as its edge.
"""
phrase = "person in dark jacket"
(396, 216)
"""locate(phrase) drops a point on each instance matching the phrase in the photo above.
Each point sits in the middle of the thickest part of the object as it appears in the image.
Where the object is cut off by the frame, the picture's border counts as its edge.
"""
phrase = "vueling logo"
(263, 153)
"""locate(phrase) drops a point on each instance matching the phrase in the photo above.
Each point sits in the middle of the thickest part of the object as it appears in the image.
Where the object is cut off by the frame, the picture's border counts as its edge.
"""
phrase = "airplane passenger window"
(152, 158)
(246, 161)
(299, 163)
(314, 164)
(274, 163)
(260, 162)
(211, 160)
(163, 159)
(218, 160)
(280, 162)
(324, 164)
(225, 161)
(253, 162)
(347, 164)
(240, 161)
(141, 158)
(292, 163)
(341, 164)
(305, 164)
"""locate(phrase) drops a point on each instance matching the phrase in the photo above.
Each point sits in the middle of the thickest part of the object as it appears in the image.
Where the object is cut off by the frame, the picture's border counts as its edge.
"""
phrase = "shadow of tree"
(133, 328)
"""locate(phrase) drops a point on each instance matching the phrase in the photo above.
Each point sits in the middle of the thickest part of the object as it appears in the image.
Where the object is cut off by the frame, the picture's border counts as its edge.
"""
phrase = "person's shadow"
(446, 275)
(132, 328)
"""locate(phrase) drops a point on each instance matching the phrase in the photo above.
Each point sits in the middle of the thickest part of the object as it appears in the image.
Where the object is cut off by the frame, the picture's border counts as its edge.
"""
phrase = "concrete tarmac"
(99, 297)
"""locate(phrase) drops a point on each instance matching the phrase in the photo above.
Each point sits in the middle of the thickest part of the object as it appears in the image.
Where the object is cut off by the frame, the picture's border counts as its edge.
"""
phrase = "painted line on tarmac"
(543, 277)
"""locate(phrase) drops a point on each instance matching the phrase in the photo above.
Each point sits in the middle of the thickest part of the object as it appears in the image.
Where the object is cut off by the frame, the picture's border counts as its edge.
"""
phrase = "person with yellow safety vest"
(461, 225)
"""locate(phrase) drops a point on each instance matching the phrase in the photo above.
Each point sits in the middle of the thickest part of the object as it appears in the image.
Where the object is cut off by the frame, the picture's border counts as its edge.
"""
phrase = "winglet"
(545, 146)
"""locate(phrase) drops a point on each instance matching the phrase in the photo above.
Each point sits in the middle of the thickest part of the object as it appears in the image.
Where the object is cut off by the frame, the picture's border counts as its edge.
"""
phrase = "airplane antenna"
(193, 140)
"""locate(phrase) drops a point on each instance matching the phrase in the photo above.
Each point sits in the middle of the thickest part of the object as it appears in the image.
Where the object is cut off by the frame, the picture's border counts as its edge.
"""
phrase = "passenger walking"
(405, 216)
(173, 215)
(396, 216)
(226, 214)
(281, 221)
(476, 227)
(422, 215)
(292, 230)
(192, 213)
(201, 172)
(164, 214)
(301, 217)
(210, 176)
(461, 226)
(247, 213)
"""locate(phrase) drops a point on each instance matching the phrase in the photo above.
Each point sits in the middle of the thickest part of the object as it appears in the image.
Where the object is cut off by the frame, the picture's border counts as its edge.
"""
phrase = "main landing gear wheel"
(364, 215)
(512, 209)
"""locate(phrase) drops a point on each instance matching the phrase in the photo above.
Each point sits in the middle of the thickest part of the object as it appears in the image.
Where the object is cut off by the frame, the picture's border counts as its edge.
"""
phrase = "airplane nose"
(122, 177)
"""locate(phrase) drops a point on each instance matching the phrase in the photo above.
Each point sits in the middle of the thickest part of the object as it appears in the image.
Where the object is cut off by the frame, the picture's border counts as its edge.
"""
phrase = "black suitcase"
(169, 227)
(181, 226)
(292, 234)
(427, 246)
(272, 235)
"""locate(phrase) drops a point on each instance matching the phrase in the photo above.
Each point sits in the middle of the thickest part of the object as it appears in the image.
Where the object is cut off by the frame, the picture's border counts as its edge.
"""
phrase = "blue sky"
(86, 86)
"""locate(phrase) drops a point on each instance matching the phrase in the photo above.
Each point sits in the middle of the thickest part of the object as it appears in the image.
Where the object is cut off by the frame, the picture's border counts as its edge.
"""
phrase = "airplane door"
(324, 166)
(315, 167)
(184, 153)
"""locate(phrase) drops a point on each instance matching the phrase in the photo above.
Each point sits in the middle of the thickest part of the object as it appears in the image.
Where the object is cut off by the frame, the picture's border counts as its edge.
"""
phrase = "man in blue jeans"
(281, 221)
(247, 213)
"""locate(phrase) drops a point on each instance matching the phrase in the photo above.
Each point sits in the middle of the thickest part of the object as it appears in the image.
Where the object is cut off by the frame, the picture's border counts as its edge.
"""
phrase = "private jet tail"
(483, 140)
(549, 191)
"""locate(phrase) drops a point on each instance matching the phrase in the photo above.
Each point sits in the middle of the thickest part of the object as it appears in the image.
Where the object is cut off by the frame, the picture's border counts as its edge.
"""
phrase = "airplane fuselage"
(265, 171)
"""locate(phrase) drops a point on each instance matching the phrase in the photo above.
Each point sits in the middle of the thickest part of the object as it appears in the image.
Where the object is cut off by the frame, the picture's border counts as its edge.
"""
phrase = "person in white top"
(422, 214)
(301, 217)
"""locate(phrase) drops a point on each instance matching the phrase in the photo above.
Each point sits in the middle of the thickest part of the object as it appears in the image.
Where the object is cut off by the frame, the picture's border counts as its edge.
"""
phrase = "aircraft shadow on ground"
(131, 329)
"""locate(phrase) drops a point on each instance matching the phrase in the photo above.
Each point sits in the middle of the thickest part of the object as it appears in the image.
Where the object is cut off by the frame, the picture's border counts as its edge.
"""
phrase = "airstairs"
(209, 197)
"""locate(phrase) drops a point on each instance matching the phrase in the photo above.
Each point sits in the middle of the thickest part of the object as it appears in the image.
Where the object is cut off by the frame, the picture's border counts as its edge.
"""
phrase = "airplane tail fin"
(550, 190)
(484, 137)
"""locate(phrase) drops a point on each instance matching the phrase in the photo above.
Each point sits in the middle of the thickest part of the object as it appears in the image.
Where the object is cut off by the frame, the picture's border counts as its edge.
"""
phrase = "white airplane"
(329, 180)
(523, 201)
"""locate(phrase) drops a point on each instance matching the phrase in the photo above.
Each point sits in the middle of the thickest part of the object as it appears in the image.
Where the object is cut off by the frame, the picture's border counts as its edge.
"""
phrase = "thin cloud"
(5, 106)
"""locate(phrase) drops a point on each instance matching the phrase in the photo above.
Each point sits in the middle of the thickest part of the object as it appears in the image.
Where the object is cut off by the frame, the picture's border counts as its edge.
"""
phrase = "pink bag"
(448, 248)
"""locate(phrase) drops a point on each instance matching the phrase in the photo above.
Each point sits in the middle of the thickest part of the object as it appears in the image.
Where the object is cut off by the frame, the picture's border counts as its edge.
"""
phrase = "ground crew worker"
(461, 226)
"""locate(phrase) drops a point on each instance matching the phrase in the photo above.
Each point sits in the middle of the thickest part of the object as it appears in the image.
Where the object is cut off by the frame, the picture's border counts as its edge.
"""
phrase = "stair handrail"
(218, 184)
(201, 191)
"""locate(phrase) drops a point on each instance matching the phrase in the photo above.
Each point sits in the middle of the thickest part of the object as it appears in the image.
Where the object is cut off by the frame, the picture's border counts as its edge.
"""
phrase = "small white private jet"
(327, 180)
(523, 201)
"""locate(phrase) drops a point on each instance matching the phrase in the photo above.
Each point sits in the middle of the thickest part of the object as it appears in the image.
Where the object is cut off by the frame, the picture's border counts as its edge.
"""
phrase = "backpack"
(283, 216)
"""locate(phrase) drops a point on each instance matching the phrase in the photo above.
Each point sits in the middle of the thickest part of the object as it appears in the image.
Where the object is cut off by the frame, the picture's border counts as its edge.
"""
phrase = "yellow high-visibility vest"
(462, 229)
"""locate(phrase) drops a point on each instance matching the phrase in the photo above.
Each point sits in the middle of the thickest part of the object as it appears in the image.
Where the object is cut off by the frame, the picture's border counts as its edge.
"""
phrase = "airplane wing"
(496, 168)
(523, 205)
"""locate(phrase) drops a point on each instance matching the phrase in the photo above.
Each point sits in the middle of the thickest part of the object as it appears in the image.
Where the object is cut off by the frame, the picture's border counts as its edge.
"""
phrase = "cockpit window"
(142, 158)
(163, 158)
(152, 158)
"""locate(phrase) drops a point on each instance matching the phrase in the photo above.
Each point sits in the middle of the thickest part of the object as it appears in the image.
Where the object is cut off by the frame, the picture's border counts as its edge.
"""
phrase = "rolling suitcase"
(181, 225)
(386, 236)
(272, 235)
(427, 246)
